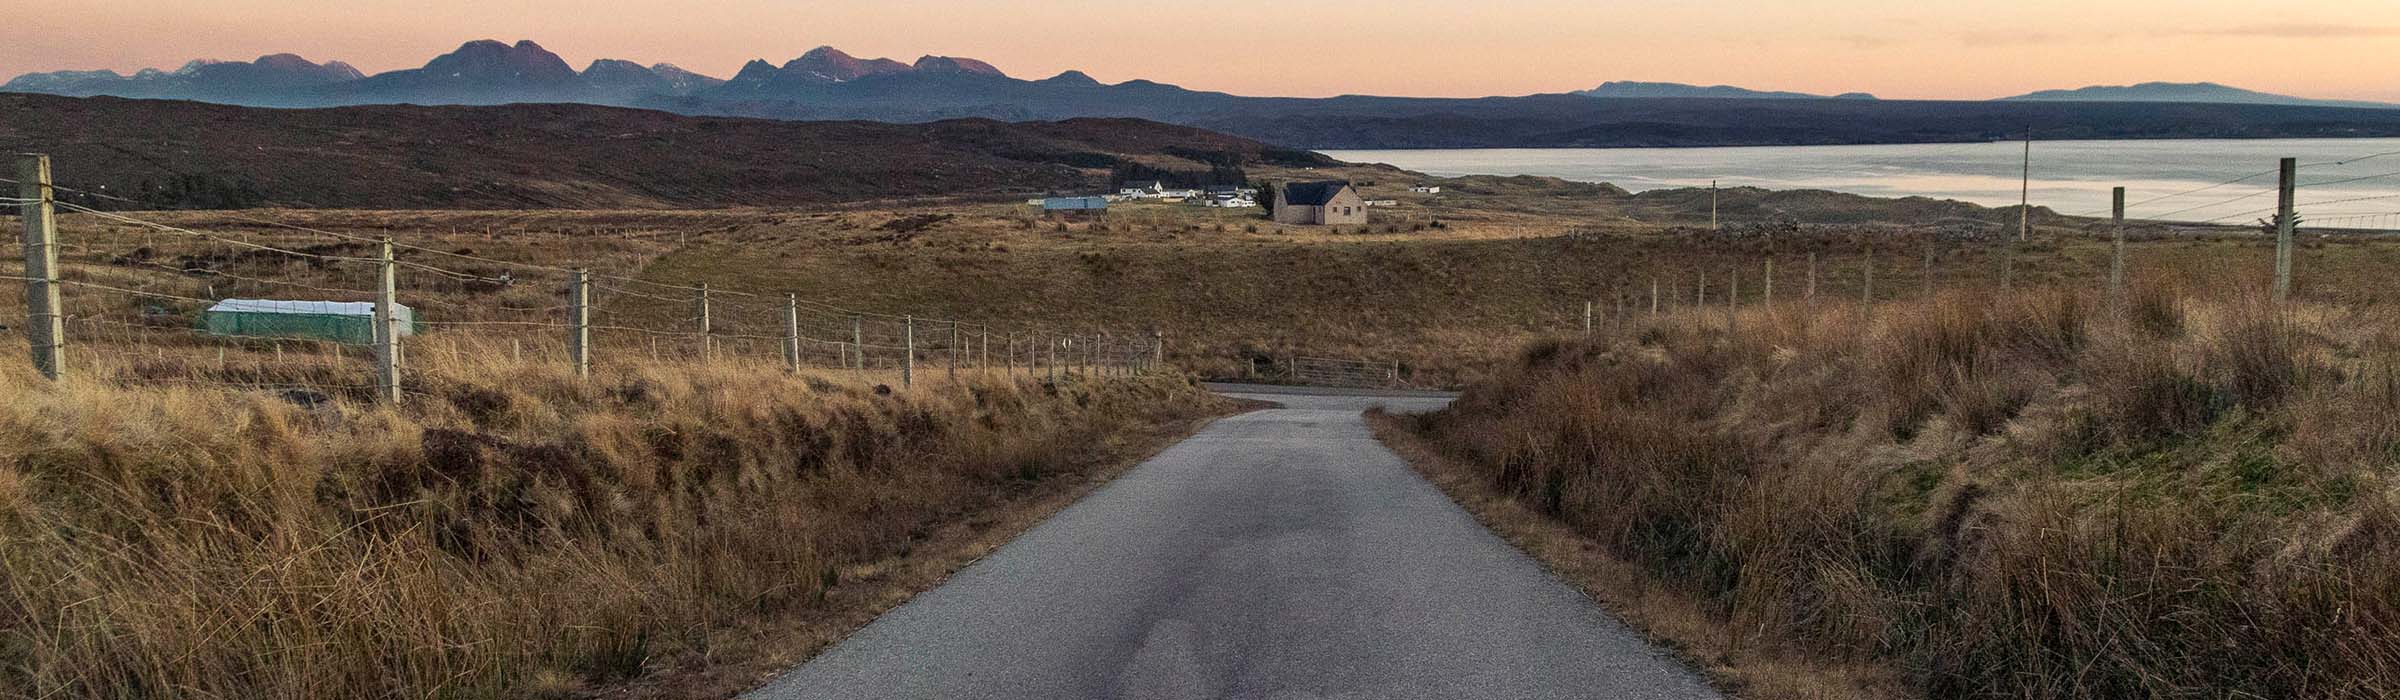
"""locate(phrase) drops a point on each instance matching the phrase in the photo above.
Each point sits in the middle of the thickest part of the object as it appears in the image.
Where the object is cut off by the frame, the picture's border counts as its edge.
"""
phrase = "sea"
(2342, 183)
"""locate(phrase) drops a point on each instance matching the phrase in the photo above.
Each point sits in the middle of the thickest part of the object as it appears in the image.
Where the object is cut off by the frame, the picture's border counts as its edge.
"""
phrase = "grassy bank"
(2025, 495)
(509, 532)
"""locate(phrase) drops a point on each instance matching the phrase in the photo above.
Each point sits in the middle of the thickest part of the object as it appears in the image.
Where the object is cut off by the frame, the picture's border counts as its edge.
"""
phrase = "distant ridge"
(2212, 93)
(826, 84)
(1637, 89)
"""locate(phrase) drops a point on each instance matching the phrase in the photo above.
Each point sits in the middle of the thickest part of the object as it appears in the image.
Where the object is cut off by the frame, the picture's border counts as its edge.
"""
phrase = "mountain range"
(827, 84)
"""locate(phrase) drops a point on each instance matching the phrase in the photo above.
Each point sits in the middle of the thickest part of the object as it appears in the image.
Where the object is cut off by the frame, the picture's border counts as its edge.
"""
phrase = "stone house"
(1327, 203)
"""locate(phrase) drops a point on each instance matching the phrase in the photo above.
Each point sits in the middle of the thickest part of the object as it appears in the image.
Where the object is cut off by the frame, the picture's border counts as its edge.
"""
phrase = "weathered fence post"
(1926, 285)
(983, 331)
(908, 367)
(858, 343)
(708, 342)
(1654, 295)
(1810, 292)
(1733, 296)
(1158, 349)
(1769, 300)
(953, 349)
(46, 332)
(2288, 172)
(1054, 360)
(791, 332)
(2116, 257)
(1866, 286)
(387, 325)
(579, 322)
(1587, 317)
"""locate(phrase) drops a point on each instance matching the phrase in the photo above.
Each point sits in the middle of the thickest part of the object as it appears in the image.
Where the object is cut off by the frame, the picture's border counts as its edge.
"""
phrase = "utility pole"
(387, 325)
(908, 367)
(2284, 189)
(579, 322)
(2116, 259)
(2025, 192)
(791, 332)
(708, 343)
(47, 333)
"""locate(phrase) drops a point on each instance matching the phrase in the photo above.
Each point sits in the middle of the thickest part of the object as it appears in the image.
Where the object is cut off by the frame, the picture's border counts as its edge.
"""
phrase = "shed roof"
(1312, 194)
(1075, 203)
(278, 306)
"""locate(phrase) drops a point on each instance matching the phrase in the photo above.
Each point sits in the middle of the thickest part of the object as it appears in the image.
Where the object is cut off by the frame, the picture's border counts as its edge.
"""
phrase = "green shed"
(339, 321)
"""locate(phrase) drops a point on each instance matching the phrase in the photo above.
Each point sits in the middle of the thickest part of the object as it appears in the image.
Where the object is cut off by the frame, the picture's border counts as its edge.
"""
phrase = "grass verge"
(2031, 495)
(511, 531)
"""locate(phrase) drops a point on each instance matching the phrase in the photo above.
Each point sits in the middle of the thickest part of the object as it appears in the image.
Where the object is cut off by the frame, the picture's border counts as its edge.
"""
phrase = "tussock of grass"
(510, 531)
(2033, 495)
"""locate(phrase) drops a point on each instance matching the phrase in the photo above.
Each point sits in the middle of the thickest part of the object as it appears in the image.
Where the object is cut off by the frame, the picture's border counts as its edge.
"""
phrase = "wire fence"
(321, 313)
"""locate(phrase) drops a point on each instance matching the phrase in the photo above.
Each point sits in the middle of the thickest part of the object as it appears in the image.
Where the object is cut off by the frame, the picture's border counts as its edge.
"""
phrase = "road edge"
(1670, 619)
(766, 649)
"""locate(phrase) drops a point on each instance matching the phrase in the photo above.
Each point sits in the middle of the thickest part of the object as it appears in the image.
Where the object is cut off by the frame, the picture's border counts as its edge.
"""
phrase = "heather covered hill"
(171, 154)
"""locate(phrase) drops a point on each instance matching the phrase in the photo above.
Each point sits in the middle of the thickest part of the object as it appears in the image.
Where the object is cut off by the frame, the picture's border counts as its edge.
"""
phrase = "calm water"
(2344, 182)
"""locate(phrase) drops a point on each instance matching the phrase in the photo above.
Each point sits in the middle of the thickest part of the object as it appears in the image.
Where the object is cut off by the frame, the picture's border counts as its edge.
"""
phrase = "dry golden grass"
(508, 531)
(2027, 495)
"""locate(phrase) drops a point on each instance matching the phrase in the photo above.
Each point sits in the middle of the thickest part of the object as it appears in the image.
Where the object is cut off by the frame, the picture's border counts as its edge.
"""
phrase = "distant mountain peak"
(954, 64)
(490, 59)
(2159, 91)
(1641, 89)
(830, 63)
(1073, 77)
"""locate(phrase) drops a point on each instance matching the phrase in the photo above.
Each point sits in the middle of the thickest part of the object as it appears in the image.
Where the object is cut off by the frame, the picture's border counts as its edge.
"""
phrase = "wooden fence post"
(46, 334)
(579, 323)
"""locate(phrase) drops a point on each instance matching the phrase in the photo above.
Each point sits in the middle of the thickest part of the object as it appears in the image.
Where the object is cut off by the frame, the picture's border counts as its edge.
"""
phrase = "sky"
(1943, 49)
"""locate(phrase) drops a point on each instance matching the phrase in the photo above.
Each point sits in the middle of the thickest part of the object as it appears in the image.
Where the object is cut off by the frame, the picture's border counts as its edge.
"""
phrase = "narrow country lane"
(1281, 554)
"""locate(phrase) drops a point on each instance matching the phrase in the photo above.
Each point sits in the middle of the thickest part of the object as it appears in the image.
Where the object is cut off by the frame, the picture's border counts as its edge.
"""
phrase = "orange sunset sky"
(1893, 48)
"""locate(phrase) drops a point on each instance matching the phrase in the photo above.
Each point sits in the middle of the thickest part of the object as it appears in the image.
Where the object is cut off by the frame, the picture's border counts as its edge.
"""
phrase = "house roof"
(1140, 184)
(1312, 194)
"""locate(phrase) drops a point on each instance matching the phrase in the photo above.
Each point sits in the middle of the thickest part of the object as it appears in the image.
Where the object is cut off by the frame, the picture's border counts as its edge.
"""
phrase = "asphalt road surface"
(1282, 554)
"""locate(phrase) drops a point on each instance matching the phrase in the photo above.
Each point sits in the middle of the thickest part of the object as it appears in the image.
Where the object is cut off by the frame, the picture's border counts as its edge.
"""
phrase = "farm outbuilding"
(339, 321)
(1075, 206)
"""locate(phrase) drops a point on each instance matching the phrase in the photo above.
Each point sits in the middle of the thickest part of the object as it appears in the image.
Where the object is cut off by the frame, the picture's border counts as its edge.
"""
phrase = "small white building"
(1426, 189)
(1142, 189)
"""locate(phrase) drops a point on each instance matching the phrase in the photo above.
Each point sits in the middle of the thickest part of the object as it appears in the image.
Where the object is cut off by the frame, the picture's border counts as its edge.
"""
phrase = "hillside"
(2186, 92)
(827, 84)
(171, 154)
